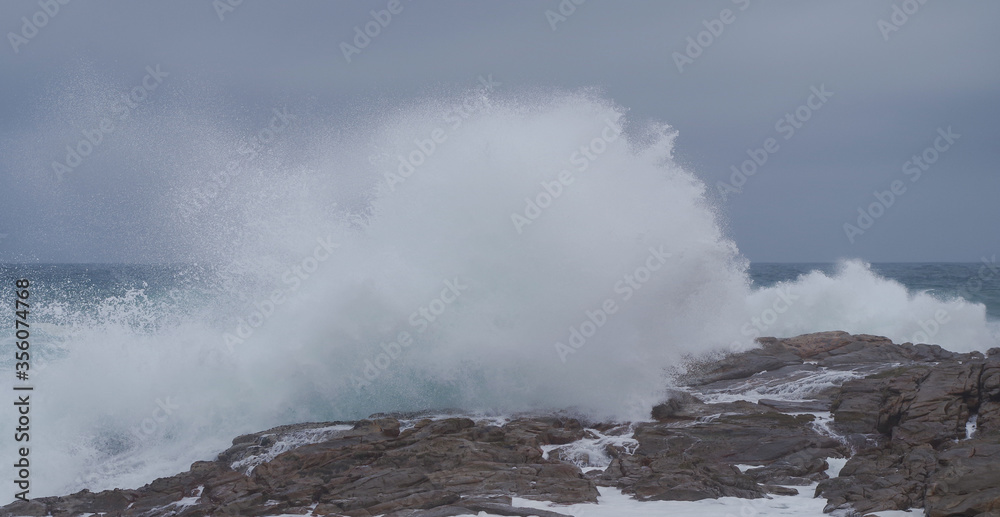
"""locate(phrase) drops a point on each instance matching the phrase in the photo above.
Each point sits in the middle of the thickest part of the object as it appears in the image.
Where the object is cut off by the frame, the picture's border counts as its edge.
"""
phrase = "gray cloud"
(938, 70)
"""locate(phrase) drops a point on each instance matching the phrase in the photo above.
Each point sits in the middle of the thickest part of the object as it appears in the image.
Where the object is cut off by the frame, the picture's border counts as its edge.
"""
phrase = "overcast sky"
(894, 83)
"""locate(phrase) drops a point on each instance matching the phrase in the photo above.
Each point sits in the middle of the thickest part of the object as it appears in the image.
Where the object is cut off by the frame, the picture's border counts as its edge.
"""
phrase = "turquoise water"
(86, 287)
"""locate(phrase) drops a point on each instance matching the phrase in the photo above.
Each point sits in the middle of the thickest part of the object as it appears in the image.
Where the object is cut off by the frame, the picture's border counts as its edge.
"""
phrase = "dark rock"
(967, 481)
(780, 490)
(805, 406)
(674, 407)
(771, 356)
(695, 462)
(441, 511)
(880, 479)
(903, 417)
(506, 509)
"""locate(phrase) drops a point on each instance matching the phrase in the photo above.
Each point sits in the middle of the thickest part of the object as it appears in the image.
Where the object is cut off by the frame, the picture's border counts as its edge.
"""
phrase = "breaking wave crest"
(479, 252)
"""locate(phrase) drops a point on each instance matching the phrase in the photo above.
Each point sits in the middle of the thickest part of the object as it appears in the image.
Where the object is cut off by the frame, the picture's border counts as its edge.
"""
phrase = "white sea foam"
(803, 385)
(139, 387)
(971, 426)
(857, 300)
(591, 452)
(288, 442)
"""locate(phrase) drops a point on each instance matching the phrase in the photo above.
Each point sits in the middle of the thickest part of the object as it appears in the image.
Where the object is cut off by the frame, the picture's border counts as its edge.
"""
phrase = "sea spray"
(856, 300)
(493, 348)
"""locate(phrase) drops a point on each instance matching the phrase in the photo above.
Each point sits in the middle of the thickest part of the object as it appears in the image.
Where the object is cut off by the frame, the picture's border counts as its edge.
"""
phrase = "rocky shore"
(919, 424)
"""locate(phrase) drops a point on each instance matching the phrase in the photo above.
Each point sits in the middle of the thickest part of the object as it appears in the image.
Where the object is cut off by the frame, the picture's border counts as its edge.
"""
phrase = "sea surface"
(113, 345)
(86, 287)
(977, 282)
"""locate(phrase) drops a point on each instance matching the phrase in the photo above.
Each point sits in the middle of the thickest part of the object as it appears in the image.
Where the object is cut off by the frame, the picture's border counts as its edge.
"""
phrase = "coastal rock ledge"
(919, 424)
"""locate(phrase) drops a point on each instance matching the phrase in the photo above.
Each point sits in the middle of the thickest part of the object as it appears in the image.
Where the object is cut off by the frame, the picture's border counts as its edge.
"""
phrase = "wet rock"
(967, 481)
(696, 461)
(880, 479)
(803, 406)
(780, 490)
(901, 410)
(771, 356)
(913, 418)
(677, 406)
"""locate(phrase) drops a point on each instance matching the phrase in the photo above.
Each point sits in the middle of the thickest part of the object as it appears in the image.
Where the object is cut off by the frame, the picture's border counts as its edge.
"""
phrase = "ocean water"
(506, 268)
(978, 282)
